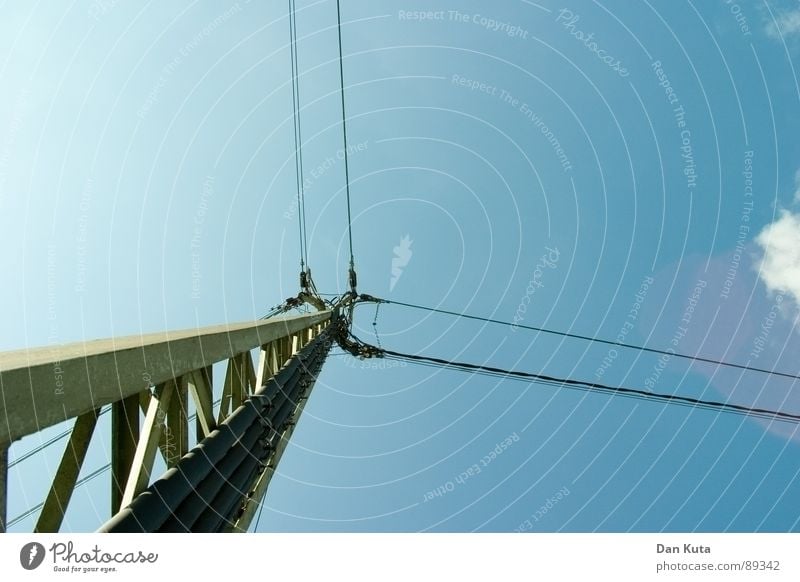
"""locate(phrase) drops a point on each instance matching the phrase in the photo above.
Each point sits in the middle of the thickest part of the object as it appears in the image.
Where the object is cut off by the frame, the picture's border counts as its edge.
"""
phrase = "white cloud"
(780, 260)
(785, 24)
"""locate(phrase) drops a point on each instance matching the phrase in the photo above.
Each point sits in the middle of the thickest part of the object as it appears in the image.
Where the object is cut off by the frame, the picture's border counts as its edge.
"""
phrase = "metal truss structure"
(148, 382)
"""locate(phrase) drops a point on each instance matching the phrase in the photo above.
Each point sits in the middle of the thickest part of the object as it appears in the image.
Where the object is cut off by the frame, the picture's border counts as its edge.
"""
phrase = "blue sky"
(602, 168)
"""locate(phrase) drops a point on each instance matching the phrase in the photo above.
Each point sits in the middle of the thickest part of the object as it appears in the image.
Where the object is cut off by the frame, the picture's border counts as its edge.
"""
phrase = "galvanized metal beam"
(176, 435)
(250, 374)
(44, 386)
(200, 388)
(237, 385)
(55, 505)
(263, 365)
(124, 437)
(142, 465)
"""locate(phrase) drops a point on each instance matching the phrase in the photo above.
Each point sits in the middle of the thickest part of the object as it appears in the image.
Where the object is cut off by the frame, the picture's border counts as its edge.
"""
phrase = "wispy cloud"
(779, 243)
(786, 23)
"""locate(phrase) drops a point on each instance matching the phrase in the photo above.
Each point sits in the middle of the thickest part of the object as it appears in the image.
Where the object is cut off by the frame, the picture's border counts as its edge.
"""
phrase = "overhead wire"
(690, 401)
(598, 340)
(82, 481)
(375, 325)
(352, 272)
(298, 139)
(280, 308)
(561, 385)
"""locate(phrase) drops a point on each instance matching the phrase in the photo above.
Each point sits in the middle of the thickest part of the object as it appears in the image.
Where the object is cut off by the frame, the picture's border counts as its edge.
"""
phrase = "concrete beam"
(44, 386)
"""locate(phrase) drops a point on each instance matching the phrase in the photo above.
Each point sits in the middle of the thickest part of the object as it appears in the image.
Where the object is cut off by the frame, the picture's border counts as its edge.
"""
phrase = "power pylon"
(148, 381)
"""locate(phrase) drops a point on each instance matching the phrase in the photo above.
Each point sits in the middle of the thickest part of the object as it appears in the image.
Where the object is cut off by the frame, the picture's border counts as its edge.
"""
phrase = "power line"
(82, 481)
(274, 311)
(603, 388)
(344, 136)
(561, 385)
(599, 340)
(298, 138)
(26, 514)
(375, 325)
(52, 441)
